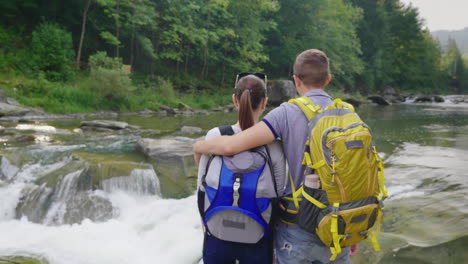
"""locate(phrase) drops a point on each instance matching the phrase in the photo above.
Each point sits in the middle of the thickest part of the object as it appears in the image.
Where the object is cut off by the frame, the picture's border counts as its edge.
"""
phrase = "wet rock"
(174, 163)
(24, 138)
(280, 91)
(377, 99)
(173, 156)
(13, 110)
(115, 125)
(392, 95)
(190, 130)
(12, 101)
(423, 99)
(438, 99)
(168, 109)
(96, 129)
(148, 132)
(85, 205)
(66, 195)
(22, 260)
(356, 103)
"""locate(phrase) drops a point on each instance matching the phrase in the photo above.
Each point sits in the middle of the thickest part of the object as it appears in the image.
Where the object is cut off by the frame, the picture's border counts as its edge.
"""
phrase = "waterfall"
(140, 182)
(65, 191)
(7, 169)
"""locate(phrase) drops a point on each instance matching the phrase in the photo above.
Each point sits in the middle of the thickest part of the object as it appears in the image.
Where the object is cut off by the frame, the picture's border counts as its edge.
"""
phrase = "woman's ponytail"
(246, 119)
(250, 91)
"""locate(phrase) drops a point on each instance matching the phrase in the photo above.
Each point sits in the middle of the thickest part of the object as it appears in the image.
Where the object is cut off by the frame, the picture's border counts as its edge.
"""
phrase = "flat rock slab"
(115, 125)
(189, 130)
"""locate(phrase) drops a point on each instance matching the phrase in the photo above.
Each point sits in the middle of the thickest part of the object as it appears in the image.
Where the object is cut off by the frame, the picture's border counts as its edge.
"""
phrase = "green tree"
(454, 67)
(53, 51)
(329, 25)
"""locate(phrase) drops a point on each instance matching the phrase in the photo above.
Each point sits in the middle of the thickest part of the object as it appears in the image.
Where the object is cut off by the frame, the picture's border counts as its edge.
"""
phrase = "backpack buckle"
(335, 211)
(235, 188)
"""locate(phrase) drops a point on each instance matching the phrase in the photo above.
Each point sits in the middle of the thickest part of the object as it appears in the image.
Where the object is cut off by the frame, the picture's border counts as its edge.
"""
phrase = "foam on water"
(148, 230)
(415, 170)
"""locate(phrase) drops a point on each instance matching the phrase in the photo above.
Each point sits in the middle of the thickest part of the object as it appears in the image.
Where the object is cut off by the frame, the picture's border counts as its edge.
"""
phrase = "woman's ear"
(234, 100)
(265, 102)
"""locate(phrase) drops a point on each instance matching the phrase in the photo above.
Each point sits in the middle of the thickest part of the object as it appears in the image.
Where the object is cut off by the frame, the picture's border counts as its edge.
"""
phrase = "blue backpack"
(237, 194)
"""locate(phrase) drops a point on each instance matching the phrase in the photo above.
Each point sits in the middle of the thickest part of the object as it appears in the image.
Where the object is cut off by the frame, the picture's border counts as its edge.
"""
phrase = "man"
(288, 123)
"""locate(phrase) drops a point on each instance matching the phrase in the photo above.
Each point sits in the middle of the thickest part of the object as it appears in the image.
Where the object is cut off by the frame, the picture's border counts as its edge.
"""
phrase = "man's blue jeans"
(295, 245)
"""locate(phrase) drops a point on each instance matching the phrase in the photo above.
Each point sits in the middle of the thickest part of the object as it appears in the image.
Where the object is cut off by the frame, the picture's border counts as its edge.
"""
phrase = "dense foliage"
(184, 47)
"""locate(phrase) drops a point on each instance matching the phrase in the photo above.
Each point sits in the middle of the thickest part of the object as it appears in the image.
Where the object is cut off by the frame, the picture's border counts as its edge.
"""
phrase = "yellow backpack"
(340, 149)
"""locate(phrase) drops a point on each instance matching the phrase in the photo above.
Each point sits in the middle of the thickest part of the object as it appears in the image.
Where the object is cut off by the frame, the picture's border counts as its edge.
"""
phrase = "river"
(49, 191)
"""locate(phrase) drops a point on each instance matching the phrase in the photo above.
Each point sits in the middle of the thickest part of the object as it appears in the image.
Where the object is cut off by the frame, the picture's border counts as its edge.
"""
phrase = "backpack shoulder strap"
(270, 164)
(338, 103)
(308, 107)
(226, 130)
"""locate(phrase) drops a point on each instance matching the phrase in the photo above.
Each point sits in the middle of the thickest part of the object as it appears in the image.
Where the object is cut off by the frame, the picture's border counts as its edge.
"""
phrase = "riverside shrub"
(53, 53)
(109, 80)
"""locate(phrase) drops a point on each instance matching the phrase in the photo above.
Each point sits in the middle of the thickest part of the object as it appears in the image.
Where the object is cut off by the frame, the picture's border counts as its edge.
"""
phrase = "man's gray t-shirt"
(288, 123)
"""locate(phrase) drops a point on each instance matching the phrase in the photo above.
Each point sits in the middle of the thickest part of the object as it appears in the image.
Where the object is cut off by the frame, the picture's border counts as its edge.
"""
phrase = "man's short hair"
(312, 67)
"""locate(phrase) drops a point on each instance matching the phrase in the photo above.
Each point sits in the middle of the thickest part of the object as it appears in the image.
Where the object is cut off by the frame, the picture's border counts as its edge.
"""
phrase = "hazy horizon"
(442, 15)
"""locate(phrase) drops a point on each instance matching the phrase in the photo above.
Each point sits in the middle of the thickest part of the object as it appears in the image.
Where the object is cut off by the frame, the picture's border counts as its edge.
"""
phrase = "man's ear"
(329, 78)
(297, 81)
(234, 100)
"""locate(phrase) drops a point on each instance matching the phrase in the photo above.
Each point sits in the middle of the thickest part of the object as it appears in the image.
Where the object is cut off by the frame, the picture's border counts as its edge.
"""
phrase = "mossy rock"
(22, 260)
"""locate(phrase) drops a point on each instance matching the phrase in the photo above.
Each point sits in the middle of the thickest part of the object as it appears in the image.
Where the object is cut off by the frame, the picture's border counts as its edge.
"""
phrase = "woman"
(233, 232)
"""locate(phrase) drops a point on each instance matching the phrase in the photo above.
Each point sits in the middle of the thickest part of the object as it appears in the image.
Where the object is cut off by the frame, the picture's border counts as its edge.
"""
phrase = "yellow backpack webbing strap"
(372, 236)
(295, 193)
(308, 107)
(312, 199)
(335, 248)
(383, 191)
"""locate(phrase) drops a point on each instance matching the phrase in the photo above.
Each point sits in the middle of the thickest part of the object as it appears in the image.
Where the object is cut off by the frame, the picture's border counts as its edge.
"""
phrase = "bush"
(163, 88)
(52, 49)
(109, 80)
(101, 60)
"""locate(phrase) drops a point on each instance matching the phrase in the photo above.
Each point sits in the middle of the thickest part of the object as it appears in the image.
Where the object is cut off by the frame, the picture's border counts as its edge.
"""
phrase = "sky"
(442, 14)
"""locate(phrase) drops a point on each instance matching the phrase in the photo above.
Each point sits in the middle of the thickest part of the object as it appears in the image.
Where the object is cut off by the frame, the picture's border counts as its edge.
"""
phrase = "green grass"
(78, 96)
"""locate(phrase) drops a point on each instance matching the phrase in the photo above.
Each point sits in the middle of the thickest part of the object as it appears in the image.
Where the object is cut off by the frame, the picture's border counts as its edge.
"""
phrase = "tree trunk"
(222, 74)
(117, 28)
(132, 49)
(187, 52)
(205, 61)
(83, 31)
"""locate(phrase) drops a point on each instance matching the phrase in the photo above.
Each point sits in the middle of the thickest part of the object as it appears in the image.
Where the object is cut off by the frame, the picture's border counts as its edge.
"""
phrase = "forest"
(88, 55)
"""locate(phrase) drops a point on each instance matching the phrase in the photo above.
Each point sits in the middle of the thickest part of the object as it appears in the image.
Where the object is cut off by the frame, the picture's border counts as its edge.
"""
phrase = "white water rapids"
(147, 230)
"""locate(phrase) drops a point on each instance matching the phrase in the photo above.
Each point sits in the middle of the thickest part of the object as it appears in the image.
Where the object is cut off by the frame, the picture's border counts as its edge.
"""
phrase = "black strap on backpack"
(226, 130)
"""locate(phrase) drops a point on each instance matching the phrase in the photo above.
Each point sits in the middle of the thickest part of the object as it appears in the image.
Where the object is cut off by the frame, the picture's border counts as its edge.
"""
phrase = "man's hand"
(196, 155)
(353, 251)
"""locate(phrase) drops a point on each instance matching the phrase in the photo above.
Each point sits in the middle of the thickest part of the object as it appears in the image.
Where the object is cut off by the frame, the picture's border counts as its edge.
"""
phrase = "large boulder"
(174, 163)
(280, 91)
(377, 99)
(392, 95)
